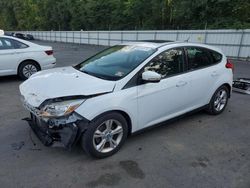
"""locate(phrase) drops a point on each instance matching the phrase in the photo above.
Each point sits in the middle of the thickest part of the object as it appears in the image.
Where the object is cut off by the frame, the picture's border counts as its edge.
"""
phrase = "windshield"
(116, 62)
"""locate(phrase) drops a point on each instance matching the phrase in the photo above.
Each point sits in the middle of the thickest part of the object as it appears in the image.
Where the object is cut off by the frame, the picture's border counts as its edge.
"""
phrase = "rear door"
(203, 73)
(10, 55)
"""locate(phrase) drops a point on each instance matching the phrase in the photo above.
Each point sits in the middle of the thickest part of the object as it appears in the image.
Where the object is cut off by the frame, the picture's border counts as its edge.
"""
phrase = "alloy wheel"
(107, 136)
(220, 100)
(28, 70)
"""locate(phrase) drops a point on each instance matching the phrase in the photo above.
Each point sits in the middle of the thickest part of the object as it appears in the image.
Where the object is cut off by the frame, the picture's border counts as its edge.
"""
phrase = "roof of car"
(20, 40)
(149, 43)
(15, 38)
(158, 44)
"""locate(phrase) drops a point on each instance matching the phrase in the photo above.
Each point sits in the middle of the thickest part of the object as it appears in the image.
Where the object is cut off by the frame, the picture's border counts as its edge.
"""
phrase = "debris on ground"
(242, 85)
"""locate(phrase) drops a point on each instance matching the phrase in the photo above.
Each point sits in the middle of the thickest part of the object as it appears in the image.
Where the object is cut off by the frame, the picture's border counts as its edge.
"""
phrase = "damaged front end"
(58, 132)
(56, 123)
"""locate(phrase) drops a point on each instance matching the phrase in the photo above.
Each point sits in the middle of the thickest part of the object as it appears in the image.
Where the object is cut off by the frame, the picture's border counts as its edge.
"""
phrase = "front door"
(169, 97)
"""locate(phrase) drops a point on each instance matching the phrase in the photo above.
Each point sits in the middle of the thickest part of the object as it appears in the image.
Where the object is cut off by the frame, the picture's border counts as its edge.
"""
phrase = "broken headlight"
(59, 109)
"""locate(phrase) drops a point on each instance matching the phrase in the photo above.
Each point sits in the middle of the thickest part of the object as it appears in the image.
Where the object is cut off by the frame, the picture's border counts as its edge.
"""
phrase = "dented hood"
(62, 82)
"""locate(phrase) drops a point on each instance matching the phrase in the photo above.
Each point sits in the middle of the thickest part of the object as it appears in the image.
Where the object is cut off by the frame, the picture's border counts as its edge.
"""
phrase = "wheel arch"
(218, 85)
(28, 60)
(228, 87)
(124, 114)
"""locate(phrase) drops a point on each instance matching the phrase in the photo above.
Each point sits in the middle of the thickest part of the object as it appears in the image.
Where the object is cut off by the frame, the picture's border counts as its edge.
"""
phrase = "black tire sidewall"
(22, 65)
(87, 138)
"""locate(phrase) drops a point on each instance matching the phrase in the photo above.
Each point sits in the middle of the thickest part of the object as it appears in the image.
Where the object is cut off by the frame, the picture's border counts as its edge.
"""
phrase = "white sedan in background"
(23, 58)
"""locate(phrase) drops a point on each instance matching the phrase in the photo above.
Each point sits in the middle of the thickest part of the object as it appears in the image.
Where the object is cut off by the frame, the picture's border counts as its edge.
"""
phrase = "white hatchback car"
(124, 89)
(23, 58)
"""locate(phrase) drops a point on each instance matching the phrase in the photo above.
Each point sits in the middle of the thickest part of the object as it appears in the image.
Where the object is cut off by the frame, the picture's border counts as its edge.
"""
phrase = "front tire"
(105, 135)
(26, 69)
(219, 101)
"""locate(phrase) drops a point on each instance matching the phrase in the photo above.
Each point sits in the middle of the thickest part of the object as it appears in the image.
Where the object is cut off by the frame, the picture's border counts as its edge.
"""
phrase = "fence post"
(121, 36)
(66, 36)
(80, 41)
(205, 37)
(155, 33)
(137, 37)
(109, 38)
(88, 37)
(177, 35)
(73, 33)
(240, 45)
(98, 42)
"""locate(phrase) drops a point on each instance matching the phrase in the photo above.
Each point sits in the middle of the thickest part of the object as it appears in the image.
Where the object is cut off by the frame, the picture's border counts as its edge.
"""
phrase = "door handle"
(214, 73)
(181, 83)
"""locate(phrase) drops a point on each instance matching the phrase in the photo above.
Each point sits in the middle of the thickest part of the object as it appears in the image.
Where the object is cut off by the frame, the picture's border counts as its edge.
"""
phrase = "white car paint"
(69, 78)
(10, 59)
(148, 75)
(145, 104)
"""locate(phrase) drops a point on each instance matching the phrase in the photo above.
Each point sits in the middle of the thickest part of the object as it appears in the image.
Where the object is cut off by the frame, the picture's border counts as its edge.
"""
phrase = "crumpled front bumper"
(65, 135)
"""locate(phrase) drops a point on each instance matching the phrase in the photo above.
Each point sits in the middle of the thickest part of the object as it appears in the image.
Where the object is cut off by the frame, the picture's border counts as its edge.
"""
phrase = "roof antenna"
(187, 39)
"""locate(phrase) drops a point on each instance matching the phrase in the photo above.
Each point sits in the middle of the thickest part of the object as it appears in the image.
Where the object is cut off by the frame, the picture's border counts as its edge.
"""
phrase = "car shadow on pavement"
(4, 79)
(172, 123)
(77, 151)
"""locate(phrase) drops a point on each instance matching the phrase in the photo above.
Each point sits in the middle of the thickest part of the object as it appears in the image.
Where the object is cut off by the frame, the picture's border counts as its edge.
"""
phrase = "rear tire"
(219, 101)
(105, 135)
(27, 68)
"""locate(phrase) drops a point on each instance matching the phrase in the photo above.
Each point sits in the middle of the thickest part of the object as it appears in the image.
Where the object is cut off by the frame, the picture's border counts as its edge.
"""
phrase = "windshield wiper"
(104, 77)
(86, 72)
(95, 75)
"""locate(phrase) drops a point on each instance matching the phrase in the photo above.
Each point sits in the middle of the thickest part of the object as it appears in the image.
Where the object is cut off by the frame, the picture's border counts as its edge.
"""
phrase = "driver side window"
(168, 63)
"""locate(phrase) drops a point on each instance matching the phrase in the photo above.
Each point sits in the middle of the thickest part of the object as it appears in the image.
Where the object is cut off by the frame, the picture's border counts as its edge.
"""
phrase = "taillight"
(229, 64)
(49, 52)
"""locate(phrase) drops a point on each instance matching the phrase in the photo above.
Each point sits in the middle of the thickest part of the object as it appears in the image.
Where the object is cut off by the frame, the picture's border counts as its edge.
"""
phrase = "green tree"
(123, 14)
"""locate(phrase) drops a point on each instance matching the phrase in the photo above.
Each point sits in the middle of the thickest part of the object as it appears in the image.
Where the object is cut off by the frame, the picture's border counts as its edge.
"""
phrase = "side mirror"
(151, 76)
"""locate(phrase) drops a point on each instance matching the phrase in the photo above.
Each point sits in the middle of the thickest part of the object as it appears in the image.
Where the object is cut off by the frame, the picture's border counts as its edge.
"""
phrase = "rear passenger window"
(199, 58)
(216, 56)
(19, 45)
